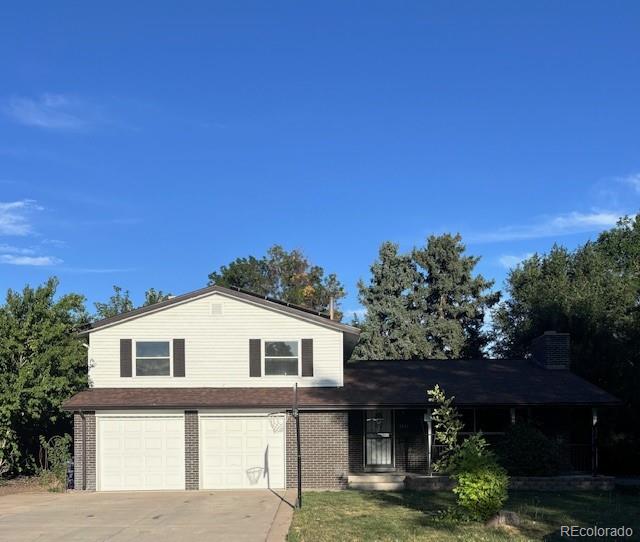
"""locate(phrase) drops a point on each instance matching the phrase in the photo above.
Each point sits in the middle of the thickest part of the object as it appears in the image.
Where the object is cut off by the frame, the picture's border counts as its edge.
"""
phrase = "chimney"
(551, 350)
(331, 307)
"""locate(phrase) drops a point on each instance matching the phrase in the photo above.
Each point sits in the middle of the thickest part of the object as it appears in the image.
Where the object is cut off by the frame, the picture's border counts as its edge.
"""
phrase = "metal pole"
(296, 415)
(594, 441)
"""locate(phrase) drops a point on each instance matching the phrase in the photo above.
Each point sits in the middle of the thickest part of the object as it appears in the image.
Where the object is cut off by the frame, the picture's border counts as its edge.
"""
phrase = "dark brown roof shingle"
(377, 383)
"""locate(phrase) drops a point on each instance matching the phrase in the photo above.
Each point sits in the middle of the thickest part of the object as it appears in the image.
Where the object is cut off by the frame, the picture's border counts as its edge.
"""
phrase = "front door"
(379, 439)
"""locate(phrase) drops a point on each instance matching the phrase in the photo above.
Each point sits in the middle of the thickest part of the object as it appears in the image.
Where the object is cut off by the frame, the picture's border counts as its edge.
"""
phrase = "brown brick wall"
(78, 459)
(191, 450)
(325, 450)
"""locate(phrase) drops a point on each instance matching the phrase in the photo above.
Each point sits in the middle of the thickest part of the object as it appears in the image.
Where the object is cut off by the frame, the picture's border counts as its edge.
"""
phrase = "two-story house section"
(196, 392)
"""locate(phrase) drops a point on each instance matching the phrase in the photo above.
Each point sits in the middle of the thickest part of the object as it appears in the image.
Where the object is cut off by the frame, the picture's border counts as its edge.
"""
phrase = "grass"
(418, 516)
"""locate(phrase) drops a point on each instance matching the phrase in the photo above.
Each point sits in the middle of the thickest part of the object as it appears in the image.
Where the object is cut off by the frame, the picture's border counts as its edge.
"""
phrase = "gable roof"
(233, 292)
(370, 384)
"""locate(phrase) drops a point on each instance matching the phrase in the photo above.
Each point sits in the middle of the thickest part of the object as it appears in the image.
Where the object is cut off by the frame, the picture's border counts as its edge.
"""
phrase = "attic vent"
(216, 309)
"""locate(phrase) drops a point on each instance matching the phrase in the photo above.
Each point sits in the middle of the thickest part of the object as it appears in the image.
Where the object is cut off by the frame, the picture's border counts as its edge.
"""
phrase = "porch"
(396, 441)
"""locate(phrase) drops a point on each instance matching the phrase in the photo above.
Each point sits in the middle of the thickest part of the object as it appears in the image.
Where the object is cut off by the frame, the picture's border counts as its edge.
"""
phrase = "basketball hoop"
(276, 420)
(254, 475)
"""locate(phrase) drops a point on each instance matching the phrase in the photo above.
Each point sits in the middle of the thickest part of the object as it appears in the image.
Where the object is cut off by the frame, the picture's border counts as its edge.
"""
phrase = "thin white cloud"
(10, 249)
(632, 180)
(566, 224)
(50, 111)
(511, 260)
(14, 217)
(38, 261)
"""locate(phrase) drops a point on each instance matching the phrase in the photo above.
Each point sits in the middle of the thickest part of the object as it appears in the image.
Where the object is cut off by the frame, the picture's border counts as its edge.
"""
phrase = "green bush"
(481, 488)
(525, 451)
(483, 491)
(471, 455)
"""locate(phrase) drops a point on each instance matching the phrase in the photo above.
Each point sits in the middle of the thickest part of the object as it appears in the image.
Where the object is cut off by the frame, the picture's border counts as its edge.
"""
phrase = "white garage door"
(140, 452)
(242, 452)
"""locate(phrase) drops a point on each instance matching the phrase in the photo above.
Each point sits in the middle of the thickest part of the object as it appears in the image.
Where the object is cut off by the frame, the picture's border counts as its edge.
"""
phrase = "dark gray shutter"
(178, 357)
(307, 357)
(255, 356)
(125, 357)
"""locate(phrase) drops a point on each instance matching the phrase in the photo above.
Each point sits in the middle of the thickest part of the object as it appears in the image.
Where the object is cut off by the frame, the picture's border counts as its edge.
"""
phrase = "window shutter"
(307, 357)
(178, 357)
(255, 355)
(125, 357)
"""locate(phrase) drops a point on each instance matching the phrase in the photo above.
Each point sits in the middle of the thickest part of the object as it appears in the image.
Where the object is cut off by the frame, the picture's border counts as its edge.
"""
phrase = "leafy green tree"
(153, 296)
(42, 363)
(424, 304)
(287, 276)
(593, 293)
(118, 303)
(447, 422)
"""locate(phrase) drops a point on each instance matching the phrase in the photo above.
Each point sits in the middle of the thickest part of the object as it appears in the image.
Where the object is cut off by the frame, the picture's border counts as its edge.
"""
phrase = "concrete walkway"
(146, 516)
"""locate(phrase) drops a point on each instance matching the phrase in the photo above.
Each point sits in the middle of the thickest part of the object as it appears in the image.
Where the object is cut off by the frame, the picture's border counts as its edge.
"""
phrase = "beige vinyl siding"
(216, 346)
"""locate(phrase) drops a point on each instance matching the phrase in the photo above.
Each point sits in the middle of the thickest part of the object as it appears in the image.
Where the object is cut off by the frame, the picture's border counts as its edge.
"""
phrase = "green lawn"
(413, 516)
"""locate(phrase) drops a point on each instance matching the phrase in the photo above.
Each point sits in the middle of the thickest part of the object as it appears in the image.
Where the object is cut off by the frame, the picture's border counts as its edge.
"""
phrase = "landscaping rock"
(504, 517)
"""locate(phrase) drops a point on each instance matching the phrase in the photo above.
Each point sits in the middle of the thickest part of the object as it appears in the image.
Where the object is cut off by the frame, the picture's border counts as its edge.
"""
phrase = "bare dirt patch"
(21, 484)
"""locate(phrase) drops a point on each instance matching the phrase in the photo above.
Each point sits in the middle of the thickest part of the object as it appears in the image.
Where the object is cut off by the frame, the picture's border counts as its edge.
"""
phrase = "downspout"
(84, 451)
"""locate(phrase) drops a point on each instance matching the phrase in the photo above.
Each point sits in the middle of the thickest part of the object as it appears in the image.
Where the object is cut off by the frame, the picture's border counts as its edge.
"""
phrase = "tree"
(42, 363)
(153, 296)
(453, 301)
(118, 303)
(424, 304)
(283, 275)
(389, 329)
(593, 293)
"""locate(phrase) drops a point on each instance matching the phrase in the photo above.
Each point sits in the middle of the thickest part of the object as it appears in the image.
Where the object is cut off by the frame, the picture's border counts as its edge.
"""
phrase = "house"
(196, 392)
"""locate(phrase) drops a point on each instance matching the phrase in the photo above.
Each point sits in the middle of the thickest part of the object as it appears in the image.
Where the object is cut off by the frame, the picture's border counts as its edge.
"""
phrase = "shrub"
(482, 491)
(55, 454)
(482, 484)
(526, 451)
(472, 454)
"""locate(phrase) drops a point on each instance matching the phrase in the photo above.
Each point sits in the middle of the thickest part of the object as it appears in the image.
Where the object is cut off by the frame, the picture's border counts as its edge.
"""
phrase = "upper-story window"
(281, 358)
(153, 358)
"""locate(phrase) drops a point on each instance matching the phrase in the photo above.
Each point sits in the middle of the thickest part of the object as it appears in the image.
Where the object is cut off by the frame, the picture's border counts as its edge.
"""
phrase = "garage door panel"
(242, 452)
(141, 453)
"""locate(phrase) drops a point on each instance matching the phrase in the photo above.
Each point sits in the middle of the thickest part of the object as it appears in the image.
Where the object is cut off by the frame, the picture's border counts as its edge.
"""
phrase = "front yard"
(417, 516)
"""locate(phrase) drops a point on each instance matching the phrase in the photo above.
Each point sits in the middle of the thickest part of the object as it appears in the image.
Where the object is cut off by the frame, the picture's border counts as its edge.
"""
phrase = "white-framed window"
(281, 358)
(153, 358)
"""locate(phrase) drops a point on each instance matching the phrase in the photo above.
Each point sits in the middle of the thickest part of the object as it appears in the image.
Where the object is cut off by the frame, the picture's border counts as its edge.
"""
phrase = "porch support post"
(594, 441)
(429, 440)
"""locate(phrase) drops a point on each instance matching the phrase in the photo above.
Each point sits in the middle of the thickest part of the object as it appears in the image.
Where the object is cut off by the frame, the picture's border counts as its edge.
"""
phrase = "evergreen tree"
(452, 301)
(425, 304)
(389, 326)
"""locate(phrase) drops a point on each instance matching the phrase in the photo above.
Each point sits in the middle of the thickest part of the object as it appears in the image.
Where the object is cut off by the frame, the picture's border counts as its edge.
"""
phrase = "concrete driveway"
(145, 516)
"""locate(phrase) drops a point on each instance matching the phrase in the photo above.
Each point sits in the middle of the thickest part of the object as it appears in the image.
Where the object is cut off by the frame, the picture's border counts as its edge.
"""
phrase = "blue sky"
(145, 145)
